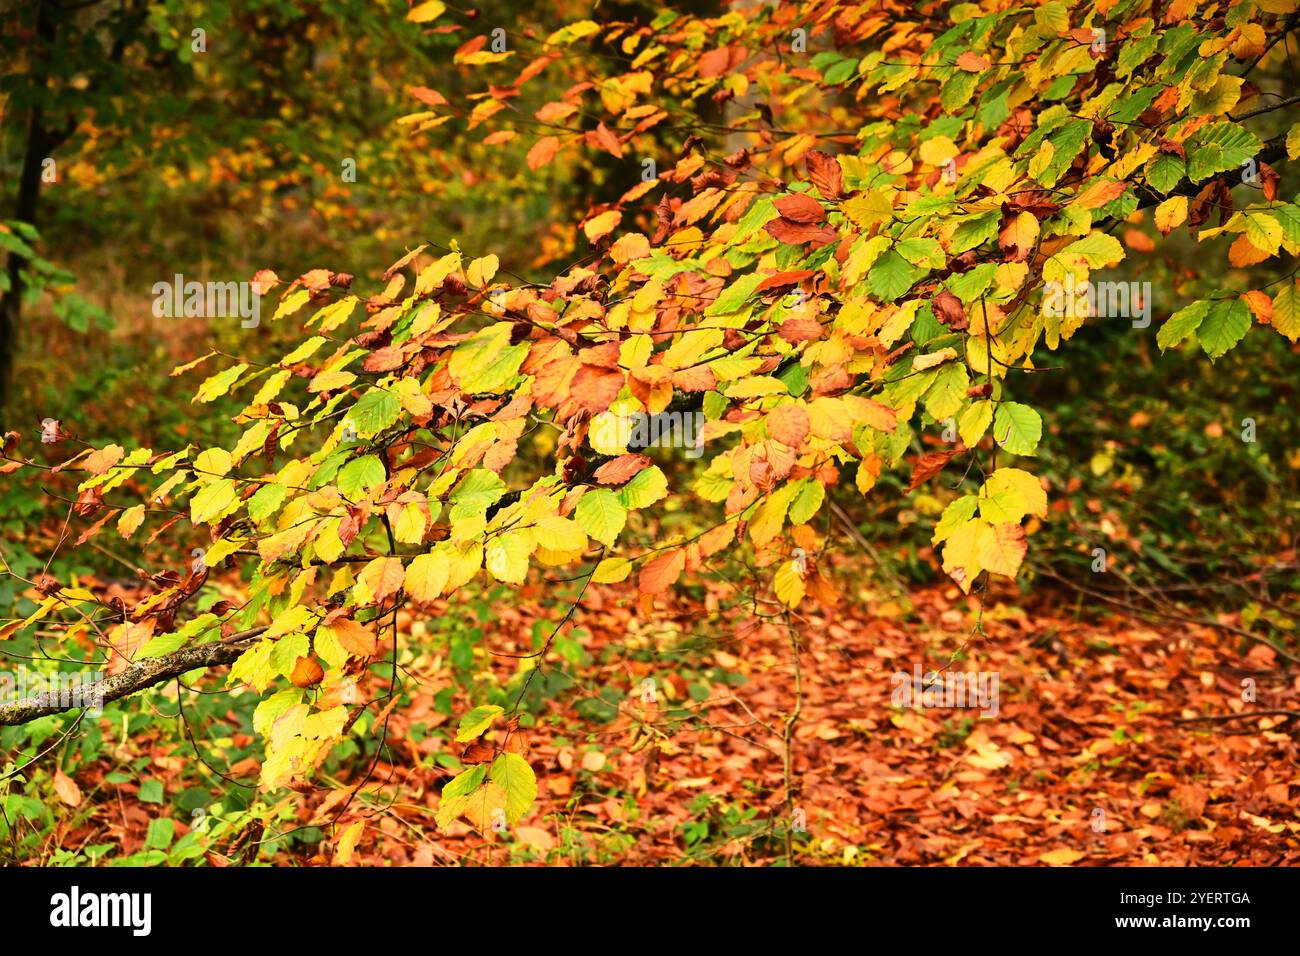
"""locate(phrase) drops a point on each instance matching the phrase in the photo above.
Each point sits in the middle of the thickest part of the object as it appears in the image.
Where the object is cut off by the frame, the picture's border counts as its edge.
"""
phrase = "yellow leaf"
(789, 584)
(1171, 214)
(424, 12)
(130, 520)
(347, 841)
(602, 225)
(1061, 857)
(1011, 493)
(871, 207)
(507, 556)
(427, 575)
(1286, 311)
(611, 570)
(481, 271)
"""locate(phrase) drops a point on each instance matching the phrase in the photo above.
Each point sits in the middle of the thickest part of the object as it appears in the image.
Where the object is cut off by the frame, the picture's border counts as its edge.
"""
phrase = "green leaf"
(735, 296)
(1182, 324)
(513, 775)
(216, 386)
(646, 487)
(601, 515)
(487, 363)
(1226, 324)
(159, 834)
(477, 721)
(479, 489)
(456, 795)
(891, 276)
(266, 501)
(807, 502)
(958, 512)
(1017, 428)
(1217, 148)
(151, 791)
(1165, 172)
(360, 475)
(375, 411)
(946, 396)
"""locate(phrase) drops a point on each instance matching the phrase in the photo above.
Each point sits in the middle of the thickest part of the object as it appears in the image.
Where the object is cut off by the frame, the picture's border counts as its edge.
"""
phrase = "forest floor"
(1089, 754)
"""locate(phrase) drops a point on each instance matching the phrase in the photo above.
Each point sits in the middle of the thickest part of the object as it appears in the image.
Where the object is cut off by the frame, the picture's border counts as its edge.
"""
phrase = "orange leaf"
(621, 469)
(789, 424)
(306, 673)
(801, 208)
(660, 573)
(67, 789)
(543, 152)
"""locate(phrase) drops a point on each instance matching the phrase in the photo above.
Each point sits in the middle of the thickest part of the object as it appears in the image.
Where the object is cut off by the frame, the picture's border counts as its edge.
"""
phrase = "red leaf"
(795, 233)
(825, 173)
(799, 207)
(779, 279)
(621, 469)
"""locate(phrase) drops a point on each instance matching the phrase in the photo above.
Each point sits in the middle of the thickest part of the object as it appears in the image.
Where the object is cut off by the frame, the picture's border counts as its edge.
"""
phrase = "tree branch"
(139, 676)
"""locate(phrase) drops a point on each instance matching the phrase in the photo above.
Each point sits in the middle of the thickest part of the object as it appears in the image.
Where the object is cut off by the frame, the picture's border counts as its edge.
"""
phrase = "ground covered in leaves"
(669, 749)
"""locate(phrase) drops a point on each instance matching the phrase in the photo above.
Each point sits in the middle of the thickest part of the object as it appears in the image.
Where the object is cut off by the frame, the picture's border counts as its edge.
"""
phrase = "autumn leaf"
(660, 572)
(801, 208)
(542, 152)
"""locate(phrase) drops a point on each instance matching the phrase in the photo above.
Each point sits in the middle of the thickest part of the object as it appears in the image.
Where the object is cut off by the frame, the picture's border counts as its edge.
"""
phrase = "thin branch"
(139, 676)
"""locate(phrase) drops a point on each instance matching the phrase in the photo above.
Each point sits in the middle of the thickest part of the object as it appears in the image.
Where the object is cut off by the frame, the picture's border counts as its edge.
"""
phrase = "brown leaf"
(67, 789)
(478, 751)
(795, 233)
(801, 208)
(621, 469)
(799, 330)
(825, 173)
(595, 388)
(947, 308)
(929, 465)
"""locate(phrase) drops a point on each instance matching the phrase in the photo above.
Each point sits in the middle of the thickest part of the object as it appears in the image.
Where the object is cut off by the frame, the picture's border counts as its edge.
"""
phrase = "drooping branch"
(139, 676)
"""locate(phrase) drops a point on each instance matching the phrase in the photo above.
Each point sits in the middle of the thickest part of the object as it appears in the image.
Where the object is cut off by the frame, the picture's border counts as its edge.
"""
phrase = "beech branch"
(139, 676)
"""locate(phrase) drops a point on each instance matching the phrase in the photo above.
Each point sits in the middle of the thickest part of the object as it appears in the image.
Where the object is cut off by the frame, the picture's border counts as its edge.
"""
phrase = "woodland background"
(222, 163)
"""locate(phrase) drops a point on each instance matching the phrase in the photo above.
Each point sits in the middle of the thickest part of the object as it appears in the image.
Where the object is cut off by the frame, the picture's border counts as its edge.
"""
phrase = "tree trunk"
(40, 143)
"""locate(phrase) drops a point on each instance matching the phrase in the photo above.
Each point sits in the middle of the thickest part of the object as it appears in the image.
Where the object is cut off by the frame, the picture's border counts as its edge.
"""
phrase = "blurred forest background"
(220, 162)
